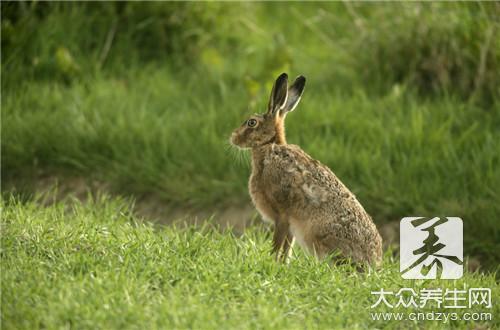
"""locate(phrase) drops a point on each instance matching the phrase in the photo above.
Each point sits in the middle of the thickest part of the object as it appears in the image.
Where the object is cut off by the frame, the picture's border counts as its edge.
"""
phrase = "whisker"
(239, 156)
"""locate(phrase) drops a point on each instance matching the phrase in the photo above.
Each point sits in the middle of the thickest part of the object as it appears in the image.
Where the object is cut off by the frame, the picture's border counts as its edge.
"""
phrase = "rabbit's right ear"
(278, 94)
(294, 94)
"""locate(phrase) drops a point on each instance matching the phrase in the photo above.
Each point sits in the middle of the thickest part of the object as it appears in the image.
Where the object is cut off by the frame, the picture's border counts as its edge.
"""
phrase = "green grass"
(405, 112)
(95, 266)
(402, 102)
(400, 155)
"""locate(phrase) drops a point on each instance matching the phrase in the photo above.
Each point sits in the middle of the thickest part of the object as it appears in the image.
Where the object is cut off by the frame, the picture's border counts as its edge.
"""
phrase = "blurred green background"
(402, 100)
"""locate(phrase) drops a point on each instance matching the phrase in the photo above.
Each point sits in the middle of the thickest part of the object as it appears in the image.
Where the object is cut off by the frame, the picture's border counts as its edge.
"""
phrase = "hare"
(303, 197)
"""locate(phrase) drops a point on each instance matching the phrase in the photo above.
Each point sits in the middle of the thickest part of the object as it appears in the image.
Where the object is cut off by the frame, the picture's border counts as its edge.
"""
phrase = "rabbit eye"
(252, 122)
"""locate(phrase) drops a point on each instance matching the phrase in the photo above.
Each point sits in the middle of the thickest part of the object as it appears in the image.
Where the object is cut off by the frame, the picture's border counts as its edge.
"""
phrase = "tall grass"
(401, 100)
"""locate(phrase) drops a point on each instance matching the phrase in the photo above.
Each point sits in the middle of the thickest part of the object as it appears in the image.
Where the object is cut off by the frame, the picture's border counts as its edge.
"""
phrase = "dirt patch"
(152, 208)
(236, 217)
(148, 207)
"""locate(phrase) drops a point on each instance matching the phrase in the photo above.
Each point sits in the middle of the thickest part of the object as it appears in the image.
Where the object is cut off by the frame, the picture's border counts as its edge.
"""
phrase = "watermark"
(431, 248)
(453, 304)
(431, 316)
(437, 297)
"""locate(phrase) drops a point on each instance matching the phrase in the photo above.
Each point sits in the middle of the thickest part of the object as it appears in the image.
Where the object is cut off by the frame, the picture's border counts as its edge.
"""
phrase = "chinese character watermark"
(431, 248)
(450, 298)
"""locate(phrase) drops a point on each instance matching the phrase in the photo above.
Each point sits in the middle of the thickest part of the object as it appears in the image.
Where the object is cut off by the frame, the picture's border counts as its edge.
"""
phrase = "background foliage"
(402, 100)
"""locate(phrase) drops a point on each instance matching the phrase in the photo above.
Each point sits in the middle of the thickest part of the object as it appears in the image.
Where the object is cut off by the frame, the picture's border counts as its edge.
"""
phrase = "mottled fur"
(303, 197)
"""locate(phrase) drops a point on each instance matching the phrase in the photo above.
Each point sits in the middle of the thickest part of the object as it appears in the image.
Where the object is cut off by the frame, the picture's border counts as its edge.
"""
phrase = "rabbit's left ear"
(294, 94)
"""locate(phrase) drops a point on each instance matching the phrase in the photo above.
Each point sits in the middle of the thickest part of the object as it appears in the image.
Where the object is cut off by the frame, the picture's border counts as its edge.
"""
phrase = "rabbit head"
(262, 129)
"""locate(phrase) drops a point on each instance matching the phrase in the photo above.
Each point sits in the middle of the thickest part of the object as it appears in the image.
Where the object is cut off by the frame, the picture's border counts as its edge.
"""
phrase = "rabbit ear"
(278, 94)
(294, 94)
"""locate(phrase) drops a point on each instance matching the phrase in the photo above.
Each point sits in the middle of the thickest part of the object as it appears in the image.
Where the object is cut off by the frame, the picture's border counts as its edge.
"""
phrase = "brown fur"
(303, 197)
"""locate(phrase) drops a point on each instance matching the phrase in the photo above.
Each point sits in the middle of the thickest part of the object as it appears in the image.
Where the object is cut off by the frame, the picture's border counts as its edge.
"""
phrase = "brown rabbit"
(303, 197)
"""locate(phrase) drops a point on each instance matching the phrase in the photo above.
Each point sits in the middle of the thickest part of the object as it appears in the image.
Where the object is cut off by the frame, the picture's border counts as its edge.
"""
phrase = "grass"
(144, 99)
(402, 102)
(400, 155)
(96, 266)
